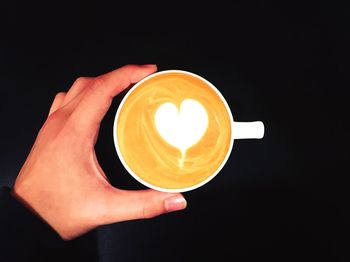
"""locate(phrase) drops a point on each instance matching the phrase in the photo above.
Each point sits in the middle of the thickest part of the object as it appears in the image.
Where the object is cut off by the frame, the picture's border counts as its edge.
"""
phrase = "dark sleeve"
(23, 235)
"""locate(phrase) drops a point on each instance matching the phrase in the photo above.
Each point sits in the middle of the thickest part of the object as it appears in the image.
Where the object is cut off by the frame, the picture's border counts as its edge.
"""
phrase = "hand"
(61, 180)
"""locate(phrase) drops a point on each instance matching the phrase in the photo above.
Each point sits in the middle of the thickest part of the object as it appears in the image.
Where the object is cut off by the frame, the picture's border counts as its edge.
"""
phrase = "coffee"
(173, 130)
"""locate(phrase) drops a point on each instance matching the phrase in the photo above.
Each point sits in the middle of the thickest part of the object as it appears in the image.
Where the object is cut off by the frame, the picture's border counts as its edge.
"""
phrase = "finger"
(57, 102)
(97, 100)
(129, 205)
(80, 85)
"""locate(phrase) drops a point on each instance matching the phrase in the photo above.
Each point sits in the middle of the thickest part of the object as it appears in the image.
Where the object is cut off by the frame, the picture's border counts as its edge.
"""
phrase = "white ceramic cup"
(241, 130)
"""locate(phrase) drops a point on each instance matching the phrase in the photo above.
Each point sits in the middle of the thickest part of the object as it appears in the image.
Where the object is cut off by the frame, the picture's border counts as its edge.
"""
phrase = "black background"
(281, 198)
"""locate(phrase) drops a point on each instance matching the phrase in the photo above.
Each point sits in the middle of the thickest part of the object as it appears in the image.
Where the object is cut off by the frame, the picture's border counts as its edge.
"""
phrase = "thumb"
(128, 205)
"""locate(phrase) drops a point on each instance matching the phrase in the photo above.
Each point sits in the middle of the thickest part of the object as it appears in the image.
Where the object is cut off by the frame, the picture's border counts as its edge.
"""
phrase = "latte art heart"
(184, 127)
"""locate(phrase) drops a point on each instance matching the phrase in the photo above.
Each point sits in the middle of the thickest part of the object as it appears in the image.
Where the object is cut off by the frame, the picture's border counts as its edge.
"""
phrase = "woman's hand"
(62, 181)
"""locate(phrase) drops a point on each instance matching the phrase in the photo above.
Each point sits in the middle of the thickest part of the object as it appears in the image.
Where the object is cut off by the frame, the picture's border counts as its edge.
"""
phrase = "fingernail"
(149, 65)
(175, 203)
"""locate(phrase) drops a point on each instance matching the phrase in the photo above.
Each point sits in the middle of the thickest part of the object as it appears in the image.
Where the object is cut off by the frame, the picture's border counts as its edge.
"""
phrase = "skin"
(61, 180)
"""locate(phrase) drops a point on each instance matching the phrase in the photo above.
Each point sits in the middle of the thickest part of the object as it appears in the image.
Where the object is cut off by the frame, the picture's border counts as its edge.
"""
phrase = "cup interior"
(125, 164)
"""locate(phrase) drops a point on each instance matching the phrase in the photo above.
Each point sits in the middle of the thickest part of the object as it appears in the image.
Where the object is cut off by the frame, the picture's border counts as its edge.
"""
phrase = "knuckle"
(60, 95)
(82, 80)
(129, 67)
(99, 81)
(148, 211)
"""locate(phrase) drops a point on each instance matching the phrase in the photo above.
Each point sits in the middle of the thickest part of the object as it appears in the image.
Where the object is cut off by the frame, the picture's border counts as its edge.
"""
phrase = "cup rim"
(132, 173)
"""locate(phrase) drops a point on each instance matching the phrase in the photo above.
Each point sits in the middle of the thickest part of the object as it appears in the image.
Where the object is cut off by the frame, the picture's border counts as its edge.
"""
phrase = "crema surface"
(148, 155)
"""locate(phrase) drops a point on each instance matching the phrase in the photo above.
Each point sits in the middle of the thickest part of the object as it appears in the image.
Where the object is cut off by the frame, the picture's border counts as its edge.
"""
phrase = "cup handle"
(247, 130)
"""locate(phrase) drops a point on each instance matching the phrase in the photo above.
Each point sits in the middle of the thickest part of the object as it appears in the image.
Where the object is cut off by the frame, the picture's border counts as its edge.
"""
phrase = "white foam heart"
(183, 127)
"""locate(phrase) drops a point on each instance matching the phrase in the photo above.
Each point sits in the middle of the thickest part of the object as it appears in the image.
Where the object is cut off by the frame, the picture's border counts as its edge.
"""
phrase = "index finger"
(96, 102)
